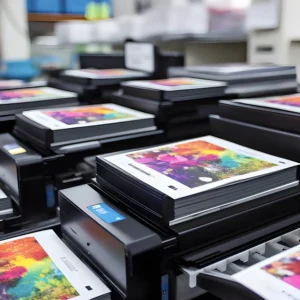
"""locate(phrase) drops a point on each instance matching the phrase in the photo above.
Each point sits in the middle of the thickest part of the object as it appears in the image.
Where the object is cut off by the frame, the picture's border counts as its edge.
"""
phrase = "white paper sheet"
(174, 84)
(276, 278)
(288, 103)
(33, 94)
(83, 116)
(105, 73)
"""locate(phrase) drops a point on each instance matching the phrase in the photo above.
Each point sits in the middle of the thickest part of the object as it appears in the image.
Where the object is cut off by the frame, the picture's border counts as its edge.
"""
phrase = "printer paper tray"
(217, 277)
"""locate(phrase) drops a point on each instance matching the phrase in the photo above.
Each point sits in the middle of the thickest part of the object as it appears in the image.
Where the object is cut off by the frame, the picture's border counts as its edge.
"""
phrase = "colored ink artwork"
(108, 72)
(197, 163)
(286, 269)
(25, 93)
(28, 273)
(290, 101)
(84, 115)
(176, 82)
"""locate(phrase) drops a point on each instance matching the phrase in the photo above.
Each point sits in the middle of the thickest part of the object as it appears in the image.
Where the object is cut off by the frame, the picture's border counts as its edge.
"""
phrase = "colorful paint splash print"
(197, 163)
(28, 273)
(286, 269)
(20, 94)
(290, 101)
(176, 82)
(86, 115)
(107, 72)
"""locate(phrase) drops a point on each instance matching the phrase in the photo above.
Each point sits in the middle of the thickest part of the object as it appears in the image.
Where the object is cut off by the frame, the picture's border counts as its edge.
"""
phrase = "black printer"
(181, 105)
(245, 80)
(34, 165)
(101, 74)
(270, 124)
(140, 258)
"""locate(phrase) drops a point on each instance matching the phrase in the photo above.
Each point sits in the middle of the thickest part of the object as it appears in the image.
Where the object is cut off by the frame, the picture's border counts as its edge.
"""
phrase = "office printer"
(31, 173)
(104, 72)
(142, 259)
(244, 80)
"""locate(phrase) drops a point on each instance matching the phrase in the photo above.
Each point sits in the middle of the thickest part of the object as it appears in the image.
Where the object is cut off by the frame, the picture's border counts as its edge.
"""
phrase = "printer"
(100, 75)
(244, 80)
(35, 165)
(140, 257)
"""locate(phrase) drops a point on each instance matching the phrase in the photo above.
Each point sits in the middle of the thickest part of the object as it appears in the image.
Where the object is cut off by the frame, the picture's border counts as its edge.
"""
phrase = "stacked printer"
(101, 74)
(177, 220)
(245, 80)
(55, 148)
(269, 123)
(181, 105)
(54, 141)
(156, 221)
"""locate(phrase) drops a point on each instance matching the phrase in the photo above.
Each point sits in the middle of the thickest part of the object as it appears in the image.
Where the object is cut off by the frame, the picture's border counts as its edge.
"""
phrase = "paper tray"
(217, 277)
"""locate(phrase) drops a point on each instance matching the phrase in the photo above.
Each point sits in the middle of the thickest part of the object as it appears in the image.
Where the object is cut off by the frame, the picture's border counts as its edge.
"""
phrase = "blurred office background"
(207, 31)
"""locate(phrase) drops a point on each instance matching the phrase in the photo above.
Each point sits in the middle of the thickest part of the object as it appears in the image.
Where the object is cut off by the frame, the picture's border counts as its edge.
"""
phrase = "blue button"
(106, 213)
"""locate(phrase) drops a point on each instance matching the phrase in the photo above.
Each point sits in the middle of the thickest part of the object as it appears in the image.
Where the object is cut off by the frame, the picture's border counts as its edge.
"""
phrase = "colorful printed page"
(174, 84)
(275, 278)
(289, 103)
(80, 116)
(33, 94)
(190, 167)
(105, 73)
(40, 266)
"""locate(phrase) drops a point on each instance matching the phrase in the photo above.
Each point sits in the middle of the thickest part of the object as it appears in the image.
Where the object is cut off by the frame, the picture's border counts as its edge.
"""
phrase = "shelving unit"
(35, 17)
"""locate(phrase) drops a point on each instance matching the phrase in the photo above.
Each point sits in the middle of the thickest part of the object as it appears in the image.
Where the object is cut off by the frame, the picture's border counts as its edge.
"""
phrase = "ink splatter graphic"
(289, 100)
(28, 273)
(286, 269)
(86, 115)
(25, 93)
(108, 72)
(197, 163)
(177, 82)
